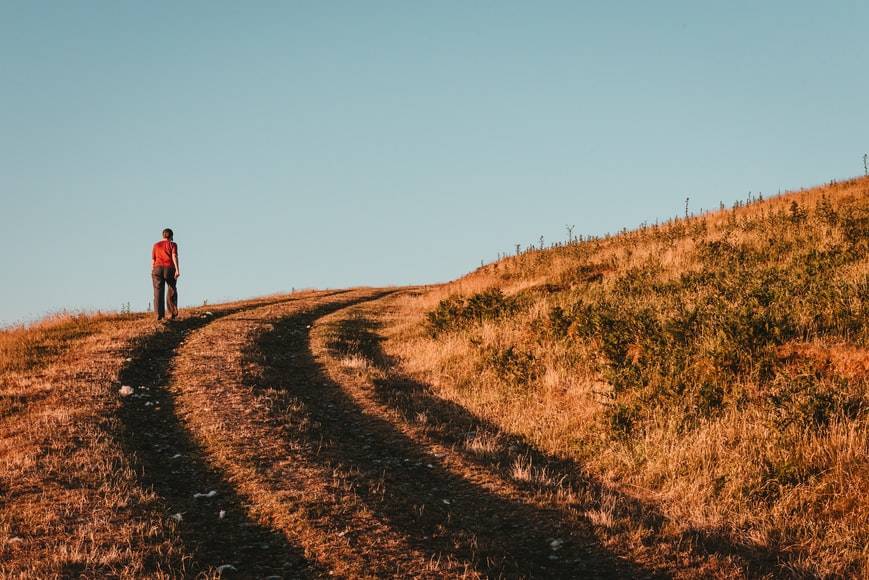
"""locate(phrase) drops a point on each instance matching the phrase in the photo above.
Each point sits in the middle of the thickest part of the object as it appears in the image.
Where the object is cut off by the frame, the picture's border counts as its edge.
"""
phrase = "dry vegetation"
(72, 500)
(714, 368)
(687, 398)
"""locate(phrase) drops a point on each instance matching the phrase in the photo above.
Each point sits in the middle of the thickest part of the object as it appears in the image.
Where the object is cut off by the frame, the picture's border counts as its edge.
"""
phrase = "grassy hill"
(715, 368)
(687, 399)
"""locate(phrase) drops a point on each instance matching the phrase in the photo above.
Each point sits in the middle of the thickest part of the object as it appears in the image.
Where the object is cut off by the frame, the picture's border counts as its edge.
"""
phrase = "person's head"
(167, 234)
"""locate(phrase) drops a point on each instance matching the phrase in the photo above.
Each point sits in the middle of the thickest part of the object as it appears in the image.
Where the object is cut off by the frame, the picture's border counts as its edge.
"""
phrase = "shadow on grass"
(408, 488)
(456, 423)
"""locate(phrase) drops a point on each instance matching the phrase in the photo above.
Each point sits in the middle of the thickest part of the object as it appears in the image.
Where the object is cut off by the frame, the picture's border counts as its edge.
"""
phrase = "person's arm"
(175, 261)
(153, 258)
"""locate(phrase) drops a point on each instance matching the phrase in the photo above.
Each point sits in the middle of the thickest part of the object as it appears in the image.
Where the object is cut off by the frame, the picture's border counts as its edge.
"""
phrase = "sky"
(331, 144)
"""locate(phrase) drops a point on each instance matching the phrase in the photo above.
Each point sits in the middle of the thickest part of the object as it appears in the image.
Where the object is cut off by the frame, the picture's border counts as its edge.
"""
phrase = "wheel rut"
(509, 465)
(249, 432)
(214, 530)
(312, 477)
(440, 513)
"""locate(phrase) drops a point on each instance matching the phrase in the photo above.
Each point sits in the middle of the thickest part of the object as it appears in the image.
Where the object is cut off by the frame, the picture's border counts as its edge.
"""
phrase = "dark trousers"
(162, 276)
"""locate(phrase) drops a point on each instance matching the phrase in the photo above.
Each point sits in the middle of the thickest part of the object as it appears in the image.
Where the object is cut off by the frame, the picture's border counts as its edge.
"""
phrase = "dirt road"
(275, 439)
(286, 445)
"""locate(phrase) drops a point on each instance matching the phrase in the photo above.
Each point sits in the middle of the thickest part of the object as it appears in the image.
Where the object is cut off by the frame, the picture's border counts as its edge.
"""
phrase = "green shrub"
(447, 315)
(511, 364)
(622, 420)
(456, 313)
(683, 343)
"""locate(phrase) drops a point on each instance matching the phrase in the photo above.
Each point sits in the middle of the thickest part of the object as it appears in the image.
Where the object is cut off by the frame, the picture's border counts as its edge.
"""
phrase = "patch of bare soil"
(210, 517)
(846, 361)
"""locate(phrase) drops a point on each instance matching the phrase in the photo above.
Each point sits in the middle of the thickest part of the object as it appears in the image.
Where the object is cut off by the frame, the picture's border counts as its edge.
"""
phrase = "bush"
(448, 315)
(456, 313)
(511, 364)
(683, 343)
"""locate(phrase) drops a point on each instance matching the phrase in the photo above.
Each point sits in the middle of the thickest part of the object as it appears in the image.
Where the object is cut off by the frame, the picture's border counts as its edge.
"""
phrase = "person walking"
(164, 272)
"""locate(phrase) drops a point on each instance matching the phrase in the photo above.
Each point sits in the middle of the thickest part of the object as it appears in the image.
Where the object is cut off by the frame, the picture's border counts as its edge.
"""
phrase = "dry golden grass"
(30, 346)
(694, 396)
(71, 500)
(746, 469)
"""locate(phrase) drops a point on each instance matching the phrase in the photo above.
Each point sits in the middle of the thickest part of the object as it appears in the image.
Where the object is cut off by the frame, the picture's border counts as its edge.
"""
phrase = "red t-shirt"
(162, 253)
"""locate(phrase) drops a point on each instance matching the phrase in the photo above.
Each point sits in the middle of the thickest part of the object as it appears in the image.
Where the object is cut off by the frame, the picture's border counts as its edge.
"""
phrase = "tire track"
(544, 479)
(250, 432)
(439, 512)
(216, 531)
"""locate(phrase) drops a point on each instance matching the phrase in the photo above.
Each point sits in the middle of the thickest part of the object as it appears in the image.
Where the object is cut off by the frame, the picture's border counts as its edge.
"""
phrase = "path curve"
(215, 530)
(314, 458)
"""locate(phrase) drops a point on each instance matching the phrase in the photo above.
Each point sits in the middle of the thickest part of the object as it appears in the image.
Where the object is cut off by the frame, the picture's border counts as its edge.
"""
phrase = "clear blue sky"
(340, 143)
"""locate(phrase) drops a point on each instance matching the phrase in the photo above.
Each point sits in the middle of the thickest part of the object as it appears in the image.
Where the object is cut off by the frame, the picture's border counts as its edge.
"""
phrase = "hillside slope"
(256, 439)
(714, 369)
(685, 400)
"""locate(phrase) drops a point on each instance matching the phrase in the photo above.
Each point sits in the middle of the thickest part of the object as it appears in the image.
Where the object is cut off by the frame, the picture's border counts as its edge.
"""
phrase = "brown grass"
(35, 345)
(71, 502)
(774, 456)
(71, 499)
(691, 397)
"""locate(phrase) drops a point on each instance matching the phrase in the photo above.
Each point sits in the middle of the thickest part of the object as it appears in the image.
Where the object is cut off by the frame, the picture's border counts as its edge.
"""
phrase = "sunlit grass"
(717, 366)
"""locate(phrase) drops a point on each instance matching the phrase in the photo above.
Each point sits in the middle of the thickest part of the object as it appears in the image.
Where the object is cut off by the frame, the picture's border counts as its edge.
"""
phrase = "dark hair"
(168, 234)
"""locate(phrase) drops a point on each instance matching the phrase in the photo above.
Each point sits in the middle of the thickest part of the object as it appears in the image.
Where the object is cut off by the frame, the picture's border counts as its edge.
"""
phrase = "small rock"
(446, 501)
(221, 514)
(126, 390)
(226, 568)
(176, 456)
(177, 517)
(556, 543)
(429, 465)
(211, 493)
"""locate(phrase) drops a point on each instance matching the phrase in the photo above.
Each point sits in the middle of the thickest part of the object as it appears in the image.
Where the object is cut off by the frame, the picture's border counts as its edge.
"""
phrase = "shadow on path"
(170, 461)
(456, 423)
(439, 512)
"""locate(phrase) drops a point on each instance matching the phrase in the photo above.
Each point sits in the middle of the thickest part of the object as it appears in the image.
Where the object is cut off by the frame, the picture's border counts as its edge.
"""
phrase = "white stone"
(556, 543)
